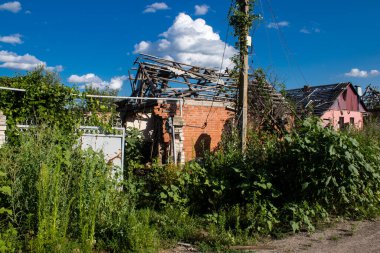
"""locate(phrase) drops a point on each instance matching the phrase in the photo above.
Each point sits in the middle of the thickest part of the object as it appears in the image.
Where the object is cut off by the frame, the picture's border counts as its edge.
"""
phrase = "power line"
(267, 34)
(103, 96)
(284, 43)
(222, 61)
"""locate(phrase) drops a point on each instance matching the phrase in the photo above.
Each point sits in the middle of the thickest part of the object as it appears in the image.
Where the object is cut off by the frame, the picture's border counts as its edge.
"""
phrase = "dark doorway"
(202, 145)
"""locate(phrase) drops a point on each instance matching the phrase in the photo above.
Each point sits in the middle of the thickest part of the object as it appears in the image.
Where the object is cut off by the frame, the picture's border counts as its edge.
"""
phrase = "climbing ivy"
(241, 22)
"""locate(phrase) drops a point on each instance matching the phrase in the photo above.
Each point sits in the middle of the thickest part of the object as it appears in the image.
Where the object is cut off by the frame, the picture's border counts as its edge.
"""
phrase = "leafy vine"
(241, 21)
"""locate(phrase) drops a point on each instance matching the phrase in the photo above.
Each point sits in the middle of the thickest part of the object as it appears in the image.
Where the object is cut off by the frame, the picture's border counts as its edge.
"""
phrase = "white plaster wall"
(143, 122)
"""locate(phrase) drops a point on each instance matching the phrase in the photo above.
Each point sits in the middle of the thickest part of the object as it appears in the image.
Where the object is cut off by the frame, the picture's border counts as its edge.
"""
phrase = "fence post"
(3, 127)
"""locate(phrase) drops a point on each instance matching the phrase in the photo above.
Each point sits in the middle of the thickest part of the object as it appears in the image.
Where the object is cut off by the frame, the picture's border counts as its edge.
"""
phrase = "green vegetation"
(62, 198)
(47, 101)
(56, 197)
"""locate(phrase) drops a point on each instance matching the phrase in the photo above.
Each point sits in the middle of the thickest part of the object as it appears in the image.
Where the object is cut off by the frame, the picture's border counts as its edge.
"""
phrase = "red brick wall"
(203, 122)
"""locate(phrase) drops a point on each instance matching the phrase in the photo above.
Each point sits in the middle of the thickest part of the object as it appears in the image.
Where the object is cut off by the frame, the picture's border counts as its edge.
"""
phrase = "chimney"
(359, 90)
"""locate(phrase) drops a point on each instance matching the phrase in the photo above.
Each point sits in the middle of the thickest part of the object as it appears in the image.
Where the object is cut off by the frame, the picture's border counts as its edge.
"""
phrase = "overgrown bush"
(282, 183)
(302, 216)
(47, 101)
(63, 198)
(321, 165)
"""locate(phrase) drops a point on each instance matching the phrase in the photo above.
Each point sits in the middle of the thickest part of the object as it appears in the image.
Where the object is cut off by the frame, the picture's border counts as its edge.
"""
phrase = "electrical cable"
(284, 43)
(221, 64)
(267, 34)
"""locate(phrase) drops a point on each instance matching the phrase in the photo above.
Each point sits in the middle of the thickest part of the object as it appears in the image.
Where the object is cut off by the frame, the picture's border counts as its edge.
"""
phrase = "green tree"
(45, 100)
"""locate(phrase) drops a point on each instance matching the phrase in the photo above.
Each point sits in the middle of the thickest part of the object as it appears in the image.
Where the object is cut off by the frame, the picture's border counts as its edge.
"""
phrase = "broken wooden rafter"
(157, 77)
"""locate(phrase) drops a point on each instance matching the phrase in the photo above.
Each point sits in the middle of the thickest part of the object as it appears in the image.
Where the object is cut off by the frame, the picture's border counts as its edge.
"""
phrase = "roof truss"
(158, 77)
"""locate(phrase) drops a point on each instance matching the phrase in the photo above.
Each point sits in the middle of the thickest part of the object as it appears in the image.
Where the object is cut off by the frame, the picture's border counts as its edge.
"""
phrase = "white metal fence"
(110, 144)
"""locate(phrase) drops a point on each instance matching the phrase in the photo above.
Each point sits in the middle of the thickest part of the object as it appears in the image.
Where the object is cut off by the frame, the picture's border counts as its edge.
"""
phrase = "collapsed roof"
(267, 91)
(163, 78)
(319, 98)
(268, 108)
(371, 98)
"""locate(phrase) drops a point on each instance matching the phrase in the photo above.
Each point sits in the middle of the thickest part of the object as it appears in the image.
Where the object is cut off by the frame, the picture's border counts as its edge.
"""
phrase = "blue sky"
(95, 42)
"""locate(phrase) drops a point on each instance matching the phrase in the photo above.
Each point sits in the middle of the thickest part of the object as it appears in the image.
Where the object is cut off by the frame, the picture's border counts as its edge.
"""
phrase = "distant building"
(371, 99)
(338, 105)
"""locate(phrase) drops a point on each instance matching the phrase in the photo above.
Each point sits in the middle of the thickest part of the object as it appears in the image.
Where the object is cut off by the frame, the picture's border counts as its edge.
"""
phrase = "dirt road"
(344, 237)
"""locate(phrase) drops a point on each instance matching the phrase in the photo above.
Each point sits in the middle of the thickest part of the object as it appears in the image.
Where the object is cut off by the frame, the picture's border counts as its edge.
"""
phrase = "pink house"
(338, 105)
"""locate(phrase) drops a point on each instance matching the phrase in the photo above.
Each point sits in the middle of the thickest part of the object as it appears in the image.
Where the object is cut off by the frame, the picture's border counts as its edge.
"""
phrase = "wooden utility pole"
(243, 78)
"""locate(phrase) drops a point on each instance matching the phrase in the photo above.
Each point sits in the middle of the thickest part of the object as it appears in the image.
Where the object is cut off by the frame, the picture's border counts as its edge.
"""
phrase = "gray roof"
(319, 98)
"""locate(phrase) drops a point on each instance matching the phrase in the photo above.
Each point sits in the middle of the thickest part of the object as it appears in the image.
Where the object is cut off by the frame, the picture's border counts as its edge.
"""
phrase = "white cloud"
(278, 25)
(11, 6)
(156, 7)
(189, 41)
(94, 81)
(11, 60)
(374, 72)
(88, 78)
(309, 31)
(201, 9)
(58, 68)
(355, 72)
(117, 82)
(11, 39)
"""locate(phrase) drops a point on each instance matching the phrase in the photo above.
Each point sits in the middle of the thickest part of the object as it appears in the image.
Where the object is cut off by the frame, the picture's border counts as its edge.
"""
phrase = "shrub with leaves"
(47, 101)
(321, 165)
(302, 216)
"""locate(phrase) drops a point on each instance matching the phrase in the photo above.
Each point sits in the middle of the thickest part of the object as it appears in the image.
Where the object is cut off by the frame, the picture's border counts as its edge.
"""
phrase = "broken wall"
(196, 126)
(204, 124)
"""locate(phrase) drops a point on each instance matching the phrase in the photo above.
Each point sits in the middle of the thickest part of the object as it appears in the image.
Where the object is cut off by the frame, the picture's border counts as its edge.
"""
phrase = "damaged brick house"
(183, 111)
(338, 105)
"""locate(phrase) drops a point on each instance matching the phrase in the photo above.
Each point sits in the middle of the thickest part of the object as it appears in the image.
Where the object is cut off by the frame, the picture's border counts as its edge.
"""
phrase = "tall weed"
(63, 198)
(8, 234)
